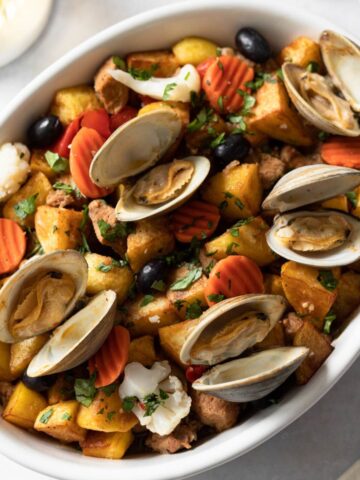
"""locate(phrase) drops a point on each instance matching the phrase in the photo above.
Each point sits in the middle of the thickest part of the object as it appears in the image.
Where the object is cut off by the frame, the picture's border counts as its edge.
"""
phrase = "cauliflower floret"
(14, 168)
(161, 401)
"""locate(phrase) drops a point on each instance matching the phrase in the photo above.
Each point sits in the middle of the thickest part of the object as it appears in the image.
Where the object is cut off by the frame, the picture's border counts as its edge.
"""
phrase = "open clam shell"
(315, 100)
(251, 378)
(76, 340)
(230, 327)
(33, 302)
(347, 252)
(310, 184)
(128, 210)
(342, 60)
(135, 146)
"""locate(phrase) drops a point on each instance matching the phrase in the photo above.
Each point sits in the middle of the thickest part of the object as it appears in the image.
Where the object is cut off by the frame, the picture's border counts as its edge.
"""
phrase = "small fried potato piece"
(23, 406)
(301, 51)
(70, 102)
(348, 295)
(21, 353)
(161, 62)
(273, 284)
(142, 350)
(106, 445)
(172, 338)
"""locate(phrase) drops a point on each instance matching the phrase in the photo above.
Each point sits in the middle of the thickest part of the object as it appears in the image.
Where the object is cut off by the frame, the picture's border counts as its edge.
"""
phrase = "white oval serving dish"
(219, 20)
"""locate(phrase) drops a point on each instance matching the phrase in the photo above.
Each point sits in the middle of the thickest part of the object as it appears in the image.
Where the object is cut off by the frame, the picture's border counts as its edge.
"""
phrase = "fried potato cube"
(38, 163)
(194, 50)
(58, 228)
(320, 349)
(237, 191)
(24, 406)
(70, 102)
(59, 421)
(161, 62)
(301, 51)
(113, 94)
(274, 116)
(275, 338)
(172, 338)
(5, 372)
(337, 203)
(61, 390)
(356, 210)
(38, 185)
(248, 239)
(142, 350)
(273, 284)
(143, 319)
(21, 353)
(106, 445)
(105, 414)
(305, 292)
(348, 298)
(202, 137)
(152, 238)
(180, 108)
(190, 301)
(119, 279)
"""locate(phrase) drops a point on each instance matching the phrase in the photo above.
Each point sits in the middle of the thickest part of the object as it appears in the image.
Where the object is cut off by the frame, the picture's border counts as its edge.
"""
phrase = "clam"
(251, 378)
(135, 146)
(310, 184)
(315, 99)
(162, 189)
(230, 327)
(319, 238)
(77, 339)
(38, 296)
(342, 60)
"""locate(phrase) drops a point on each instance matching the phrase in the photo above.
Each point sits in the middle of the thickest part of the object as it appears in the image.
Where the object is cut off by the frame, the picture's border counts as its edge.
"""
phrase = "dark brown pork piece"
(214, 412)
(270, 169)
(112, 94)
(182, 437)
(292, 323)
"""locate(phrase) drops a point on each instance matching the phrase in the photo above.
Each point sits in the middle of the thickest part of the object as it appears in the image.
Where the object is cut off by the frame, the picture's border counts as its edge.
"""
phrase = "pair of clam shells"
(71, 342)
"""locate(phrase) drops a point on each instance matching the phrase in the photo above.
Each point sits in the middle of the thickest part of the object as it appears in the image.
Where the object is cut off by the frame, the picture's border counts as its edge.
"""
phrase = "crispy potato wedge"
(301, 51)
(24, 406)
(70, 102)
(163, 63)
(172, 338)
(106, 445)
(142, 350)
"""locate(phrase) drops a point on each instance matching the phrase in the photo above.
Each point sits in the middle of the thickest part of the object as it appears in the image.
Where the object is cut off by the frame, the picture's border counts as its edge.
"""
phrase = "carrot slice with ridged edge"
(195, 219)
(222, 80)
(232, 276)
(83, 148)
(109, 362)
(12, 245)
(343, 151)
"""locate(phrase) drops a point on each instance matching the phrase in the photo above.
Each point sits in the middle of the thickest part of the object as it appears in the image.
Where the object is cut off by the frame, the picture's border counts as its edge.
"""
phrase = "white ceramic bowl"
(218, 20)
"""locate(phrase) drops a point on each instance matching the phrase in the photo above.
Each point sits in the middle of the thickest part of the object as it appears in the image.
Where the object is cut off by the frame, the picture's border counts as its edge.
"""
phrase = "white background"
(324, 442)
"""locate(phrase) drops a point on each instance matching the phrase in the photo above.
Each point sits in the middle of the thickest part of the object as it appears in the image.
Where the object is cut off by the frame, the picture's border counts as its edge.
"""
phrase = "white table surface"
(323, 443)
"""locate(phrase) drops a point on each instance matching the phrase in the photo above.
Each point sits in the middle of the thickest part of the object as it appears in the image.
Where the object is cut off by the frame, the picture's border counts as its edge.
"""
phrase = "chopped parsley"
(327, 280)
(202, 118)
(146, 300)
(259, 80)
(220, 102)
(209, 267)
(197, 100)
(111, 234)
(216, 297)
(220, 65)
(56, 163)
(328, 320)
(248, 101)
(194, 310)
(153, 401)
(187, 76)
(119, 62)
(313, 67)
(128, 403)
(168, 89)
(158, 285)
(183, 283)
(85, 390)
(223, 204)
(352, 197)
(26, 207)
(322, 136)
(218, 140)
(105, 268)
(143, 75)
(65, 187)
(218, 51)
(45, 417)
(178, 304)
(110, 415)
(279, 74)
(239, 203)
(234, 230)
(229, 248)
(109, 389)
(66, 416)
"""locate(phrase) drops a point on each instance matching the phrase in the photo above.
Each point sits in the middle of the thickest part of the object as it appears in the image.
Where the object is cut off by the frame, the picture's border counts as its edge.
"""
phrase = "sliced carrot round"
(195, 219)
(232, 276)
(343, 151)
(83, 148)
(12, 245)
(222, 80)
(109, 362)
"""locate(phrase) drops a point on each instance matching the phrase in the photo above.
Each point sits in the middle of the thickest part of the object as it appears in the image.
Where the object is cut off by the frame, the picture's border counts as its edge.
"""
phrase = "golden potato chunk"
(275, 338)
(142, 318)
(105, 414)
(61, 390)
(273, 115)
(194, 50)
(301, 51)
(106, 445)
(21, 353)
(348, 295)
(237, 191)
(161, 63)
(337, 203)
(273, 284)
(355, 210)
(152, 238)
(38, 163)
(246, 239)
(310, 291)
(58, 228)
(172, 338)
(24, 406)
(119, 279)
(37, 185)
(5, 372)
(68, 103)
(320, 349)
(113, 94)
(59, 421)
(142, 350)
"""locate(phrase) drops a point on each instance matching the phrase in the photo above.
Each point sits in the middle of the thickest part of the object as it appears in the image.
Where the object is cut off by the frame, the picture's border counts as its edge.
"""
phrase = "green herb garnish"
(143, 75)
(153, 401)
(218, 140)
(146, 300)
(168, 89)
(328, 320)
(110, 415)
(220, 102)
(185, 282)
(105, 268)
(194, 310)
(201, 119)
(109, 389)
(85, 390)
(26, 207)
(111, 234)
(159, 285)
(66, 416)
(45, 417)
(352, 197)
(216, 297)
(313, 67)
(327, 280)
(128, 403)
(119, 62)
(57, 164)
(322, 136)
(234, 230)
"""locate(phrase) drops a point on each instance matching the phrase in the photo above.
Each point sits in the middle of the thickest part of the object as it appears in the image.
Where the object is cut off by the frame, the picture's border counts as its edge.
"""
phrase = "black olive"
(235, 147)
(44, 131)
(39, 384)
(154, 271)
(253, 45)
